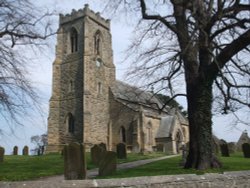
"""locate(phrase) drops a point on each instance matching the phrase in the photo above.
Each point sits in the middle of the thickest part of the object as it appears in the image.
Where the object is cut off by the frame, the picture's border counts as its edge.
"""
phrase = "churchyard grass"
(236, 162)
(17, 168)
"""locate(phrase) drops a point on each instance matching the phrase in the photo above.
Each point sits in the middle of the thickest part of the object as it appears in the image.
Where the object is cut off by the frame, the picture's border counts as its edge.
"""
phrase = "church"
(90, 106)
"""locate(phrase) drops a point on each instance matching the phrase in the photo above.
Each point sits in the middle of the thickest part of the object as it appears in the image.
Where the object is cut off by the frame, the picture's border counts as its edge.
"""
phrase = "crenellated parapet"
(85, 12)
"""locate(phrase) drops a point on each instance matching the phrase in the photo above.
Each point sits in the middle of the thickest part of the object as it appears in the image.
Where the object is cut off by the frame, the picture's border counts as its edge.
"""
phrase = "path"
(94, 172)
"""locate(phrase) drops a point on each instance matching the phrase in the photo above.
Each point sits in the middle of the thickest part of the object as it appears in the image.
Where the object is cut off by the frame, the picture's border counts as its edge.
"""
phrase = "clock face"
(98, 62)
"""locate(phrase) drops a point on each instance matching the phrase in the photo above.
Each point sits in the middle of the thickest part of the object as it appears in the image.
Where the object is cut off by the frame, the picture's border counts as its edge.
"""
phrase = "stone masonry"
(81, 79)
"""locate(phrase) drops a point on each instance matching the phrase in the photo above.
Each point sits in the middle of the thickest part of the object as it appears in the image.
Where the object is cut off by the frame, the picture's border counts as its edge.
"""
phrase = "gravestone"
(246, 150)
(224, 150)
(15, 150)
(1, 154)
(74, 162)
(215, 145)
(103, 146)
(25, 150)
(97, 154)
(108, 164)
(121, 151)
(184, 152)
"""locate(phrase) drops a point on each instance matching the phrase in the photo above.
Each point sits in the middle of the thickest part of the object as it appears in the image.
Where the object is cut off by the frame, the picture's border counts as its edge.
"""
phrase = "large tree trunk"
(199, 95)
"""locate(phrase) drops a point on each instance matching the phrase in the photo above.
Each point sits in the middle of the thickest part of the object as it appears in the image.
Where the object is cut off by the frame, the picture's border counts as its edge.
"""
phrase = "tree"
(171, 102)
(206, 42)
(40, 141)
(23, 29)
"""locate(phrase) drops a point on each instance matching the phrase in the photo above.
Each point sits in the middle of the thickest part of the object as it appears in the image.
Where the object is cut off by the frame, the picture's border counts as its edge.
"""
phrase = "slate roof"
(166, 127)
(134, 97)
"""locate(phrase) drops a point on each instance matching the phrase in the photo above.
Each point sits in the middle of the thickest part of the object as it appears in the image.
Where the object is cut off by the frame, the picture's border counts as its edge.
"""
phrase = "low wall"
(226, 180)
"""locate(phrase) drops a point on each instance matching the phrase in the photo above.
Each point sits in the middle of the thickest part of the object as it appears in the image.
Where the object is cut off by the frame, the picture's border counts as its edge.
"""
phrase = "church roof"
(183, 120)
(133, 96)
(166, 127)
(244, 138)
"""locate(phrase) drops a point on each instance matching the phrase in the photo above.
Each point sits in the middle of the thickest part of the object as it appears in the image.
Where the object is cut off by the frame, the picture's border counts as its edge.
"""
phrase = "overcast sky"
(41, 75)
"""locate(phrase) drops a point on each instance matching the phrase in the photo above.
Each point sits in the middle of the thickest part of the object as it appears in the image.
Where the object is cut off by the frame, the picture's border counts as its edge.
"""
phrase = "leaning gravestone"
(224, 150)
(121, 151)
(15, 150)
(108, 164)
(74, 162)
(246, 150)
(97, 153)
(25, 150)
(1, 154)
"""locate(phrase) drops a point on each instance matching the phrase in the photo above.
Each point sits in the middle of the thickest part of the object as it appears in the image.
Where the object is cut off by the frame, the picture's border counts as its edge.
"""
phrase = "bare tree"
(206, 42)
(40, 142)
(23, 28)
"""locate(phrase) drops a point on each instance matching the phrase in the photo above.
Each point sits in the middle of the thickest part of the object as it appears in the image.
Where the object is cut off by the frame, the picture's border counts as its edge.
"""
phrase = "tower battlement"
(76, 14)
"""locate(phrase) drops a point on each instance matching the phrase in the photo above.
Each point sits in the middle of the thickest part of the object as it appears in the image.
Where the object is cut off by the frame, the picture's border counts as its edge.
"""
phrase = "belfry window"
(97, 41)
(74, 40)
(70, 123)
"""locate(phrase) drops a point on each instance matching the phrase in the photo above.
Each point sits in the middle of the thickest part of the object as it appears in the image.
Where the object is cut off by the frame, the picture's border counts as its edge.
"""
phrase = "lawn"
(171, 166)
(17, 168)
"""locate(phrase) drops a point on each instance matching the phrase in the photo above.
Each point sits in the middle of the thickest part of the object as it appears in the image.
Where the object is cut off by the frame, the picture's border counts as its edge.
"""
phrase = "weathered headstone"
(103, 146)
(74, 162)
(246, 150)
(121, 151)
(1, 154)
(97, 154)
(25, 150)
(108, 164)
(184, 152)
(224, 150)
(15, 150)
(215, 145)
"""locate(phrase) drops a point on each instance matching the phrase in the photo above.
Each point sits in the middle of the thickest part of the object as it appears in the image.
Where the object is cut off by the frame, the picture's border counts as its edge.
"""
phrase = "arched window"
(70, 123)
(123, 135)
(73, 40)
(97, 42)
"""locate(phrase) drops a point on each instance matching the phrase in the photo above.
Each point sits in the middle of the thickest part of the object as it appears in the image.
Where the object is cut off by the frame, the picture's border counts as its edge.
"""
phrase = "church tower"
(83, 72)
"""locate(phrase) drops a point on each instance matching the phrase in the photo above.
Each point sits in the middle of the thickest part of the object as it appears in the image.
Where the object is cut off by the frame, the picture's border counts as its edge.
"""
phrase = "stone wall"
(229, 179)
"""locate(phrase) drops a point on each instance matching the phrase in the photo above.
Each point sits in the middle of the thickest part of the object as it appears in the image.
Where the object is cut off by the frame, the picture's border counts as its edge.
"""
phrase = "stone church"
(89, 105)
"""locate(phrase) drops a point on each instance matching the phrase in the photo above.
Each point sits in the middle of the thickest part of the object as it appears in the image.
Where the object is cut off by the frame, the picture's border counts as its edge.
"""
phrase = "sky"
(224, 127)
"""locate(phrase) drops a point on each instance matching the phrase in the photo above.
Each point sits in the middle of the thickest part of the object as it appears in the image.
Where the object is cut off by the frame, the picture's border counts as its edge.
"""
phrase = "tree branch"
(155, 17)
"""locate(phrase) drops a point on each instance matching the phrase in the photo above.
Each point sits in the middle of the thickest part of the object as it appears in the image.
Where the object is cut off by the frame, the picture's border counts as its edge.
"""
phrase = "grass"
(17, 168)
(171, 167)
